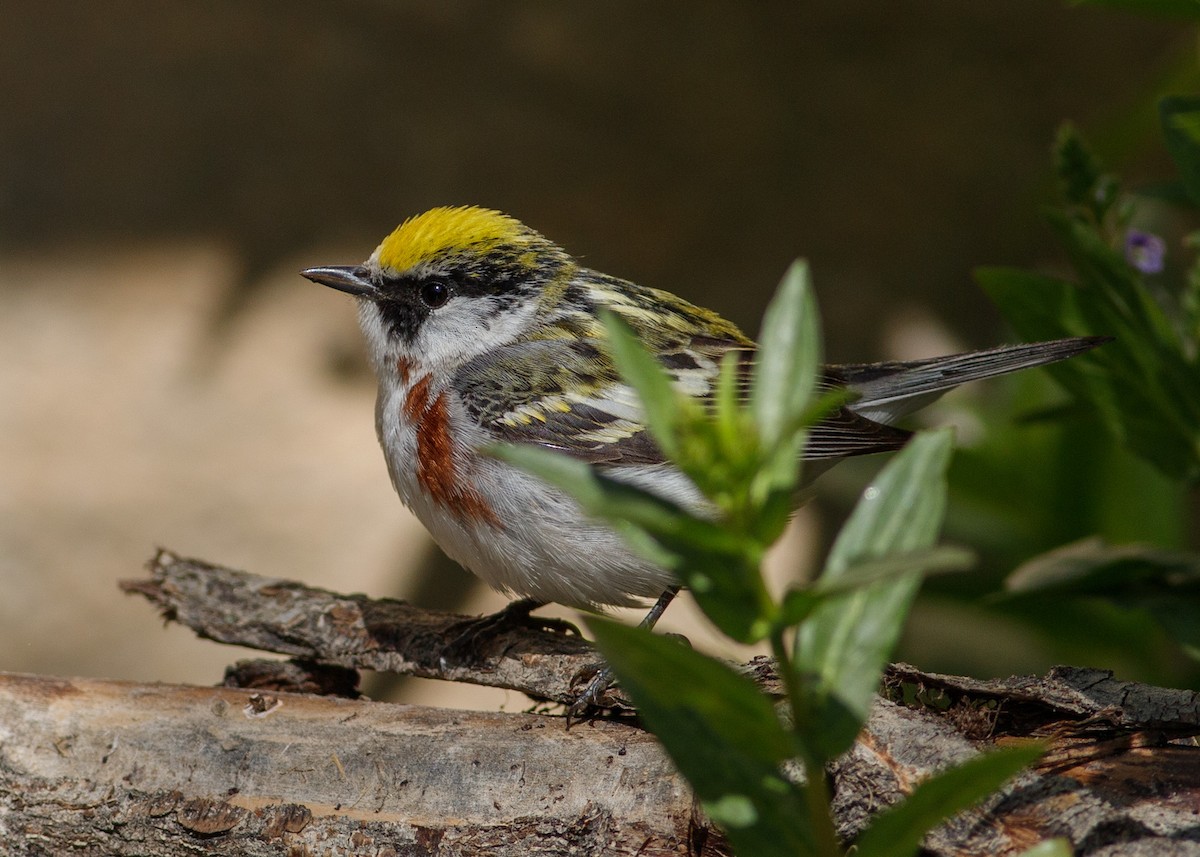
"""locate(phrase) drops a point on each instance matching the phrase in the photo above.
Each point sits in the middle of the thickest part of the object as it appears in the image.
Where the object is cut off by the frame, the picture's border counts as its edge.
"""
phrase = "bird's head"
(450, 284)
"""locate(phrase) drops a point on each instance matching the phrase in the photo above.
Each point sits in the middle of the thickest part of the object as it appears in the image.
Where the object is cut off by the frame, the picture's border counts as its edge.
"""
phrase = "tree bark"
(358, 632)
(101, 767)
(96, 767)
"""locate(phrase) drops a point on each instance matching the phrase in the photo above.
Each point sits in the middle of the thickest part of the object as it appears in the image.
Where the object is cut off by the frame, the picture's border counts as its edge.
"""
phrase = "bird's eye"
(434, 293)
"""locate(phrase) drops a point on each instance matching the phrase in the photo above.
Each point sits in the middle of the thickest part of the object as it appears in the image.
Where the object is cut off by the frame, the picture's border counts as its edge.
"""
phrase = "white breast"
(544, 547)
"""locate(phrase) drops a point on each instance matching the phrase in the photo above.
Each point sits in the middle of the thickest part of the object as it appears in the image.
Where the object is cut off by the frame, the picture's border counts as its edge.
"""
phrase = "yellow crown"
(447, 230)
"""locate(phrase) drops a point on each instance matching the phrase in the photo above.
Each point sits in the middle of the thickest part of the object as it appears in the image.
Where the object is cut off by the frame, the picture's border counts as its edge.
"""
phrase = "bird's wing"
(844, 433)
(565, 394)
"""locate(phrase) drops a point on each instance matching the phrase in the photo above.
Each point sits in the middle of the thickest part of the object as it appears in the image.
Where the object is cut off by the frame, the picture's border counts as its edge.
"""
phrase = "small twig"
(355, 631)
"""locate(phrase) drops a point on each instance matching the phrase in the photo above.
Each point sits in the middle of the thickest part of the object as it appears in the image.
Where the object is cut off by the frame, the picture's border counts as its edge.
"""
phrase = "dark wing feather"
(844, 433)
(888, 391)
(565, 394)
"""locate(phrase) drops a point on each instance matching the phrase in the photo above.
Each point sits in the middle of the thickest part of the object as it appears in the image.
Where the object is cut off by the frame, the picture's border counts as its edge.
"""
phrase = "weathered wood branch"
(97, 767)
(358, 632)
(159, 770)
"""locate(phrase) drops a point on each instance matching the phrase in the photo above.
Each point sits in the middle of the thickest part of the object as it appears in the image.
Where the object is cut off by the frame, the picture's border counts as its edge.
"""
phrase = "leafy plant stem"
(816, 793)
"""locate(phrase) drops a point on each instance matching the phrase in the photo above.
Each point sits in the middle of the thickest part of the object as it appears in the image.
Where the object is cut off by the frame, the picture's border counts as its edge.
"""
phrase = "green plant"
(1144, 386)
(831, 639)
(1142, 390)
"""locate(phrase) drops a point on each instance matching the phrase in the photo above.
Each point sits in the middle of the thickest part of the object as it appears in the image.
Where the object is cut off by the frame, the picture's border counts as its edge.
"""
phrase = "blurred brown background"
(167, 378)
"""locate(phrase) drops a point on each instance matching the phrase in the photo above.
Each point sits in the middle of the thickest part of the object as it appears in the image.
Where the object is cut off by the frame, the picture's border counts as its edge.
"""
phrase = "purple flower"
(1144, 251)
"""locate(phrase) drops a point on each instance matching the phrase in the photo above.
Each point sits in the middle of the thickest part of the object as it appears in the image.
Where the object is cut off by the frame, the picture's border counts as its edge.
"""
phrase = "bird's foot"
(597, 696)
(594, 697)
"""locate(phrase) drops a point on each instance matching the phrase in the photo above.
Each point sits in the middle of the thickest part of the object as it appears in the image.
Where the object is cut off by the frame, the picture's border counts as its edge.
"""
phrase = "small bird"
(482, 331)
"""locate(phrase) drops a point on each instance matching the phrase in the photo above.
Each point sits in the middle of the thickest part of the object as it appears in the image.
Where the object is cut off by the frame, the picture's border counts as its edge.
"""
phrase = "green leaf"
(1078, 171)
(1165, 584)
(660, 401)
(628, 507)
(638, 516)
(773, 486)
(720, 566)
(721, 732)
(729, 417)
(728, 587)
(942, 559)
(1144, 390)
(898, 831)
(789, 351)
(843, 647)
(1092, 567)
(1180, 116)
(798, 604)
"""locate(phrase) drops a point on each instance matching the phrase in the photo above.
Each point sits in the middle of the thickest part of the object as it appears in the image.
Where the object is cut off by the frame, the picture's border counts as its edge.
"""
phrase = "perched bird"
(481, 330)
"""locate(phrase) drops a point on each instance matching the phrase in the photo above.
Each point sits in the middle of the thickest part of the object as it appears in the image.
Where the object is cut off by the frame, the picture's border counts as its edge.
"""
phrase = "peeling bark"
(153, 769)
(358, 632)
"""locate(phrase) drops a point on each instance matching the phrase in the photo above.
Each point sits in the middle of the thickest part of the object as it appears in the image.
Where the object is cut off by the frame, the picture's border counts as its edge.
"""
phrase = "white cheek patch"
(467, 327)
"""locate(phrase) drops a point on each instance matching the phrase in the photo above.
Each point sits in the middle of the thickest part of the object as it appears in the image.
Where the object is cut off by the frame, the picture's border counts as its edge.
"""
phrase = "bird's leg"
(472, 635)
(659, 608)
(591, 694)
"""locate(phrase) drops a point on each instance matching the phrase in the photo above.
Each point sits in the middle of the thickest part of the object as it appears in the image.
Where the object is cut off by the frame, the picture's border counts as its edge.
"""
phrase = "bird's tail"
(888, 391)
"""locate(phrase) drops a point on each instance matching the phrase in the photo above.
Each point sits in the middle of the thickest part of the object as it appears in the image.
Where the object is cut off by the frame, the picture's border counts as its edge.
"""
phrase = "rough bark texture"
(96, 767)
(359, 632)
